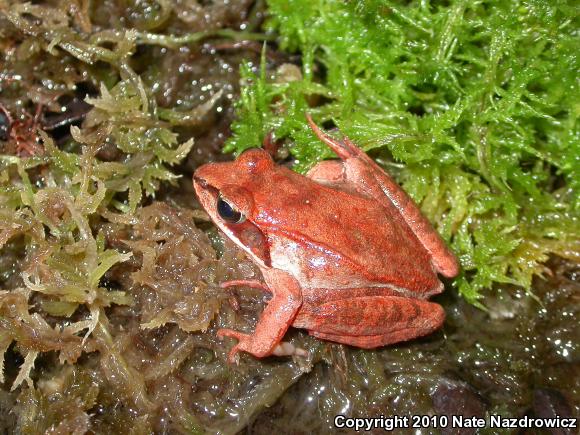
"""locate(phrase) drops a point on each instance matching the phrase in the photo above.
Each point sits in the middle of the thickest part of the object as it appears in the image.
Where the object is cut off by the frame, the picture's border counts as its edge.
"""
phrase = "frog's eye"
(228, 213)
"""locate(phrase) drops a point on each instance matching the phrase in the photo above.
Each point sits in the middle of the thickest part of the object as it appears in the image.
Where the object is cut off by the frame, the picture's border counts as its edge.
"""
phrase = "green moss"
(477, 100)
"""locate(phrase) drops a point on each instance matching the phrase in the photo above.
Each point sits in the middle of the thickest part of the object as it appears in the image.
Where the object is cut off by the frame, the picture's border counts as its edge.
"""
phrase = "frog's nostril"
(200, 181)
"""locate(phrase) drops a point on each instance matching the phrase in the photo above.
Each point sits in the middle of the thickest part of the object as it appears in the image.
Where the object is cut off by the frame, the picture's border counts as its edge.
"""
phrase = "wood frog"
(344, 251)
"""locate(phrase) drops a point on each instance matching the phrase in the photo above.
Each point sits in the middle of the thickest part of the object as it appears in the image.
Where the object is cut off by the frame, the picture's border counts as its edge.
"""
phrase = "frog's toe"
(242, 340)
(240, 336)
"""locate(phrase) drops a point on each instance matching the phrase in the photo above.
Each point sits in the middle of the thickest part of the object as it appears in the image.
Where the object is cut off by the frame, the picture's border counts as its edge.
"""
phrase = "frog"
(343, 250)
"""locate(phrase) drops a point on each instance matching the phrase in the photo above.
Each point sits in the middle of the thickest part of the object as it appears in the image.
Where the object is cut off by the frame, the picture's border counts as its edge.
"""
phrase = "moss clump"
(477, 100)
(105, 293)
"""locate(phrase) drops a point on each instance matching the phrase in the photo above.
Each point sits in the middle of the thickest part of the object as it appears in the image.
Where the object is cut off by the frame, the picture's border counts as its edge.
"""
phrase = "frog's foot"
(246, 343)
(240, 336)
(253, 283)
(284, 348)
(276, 317)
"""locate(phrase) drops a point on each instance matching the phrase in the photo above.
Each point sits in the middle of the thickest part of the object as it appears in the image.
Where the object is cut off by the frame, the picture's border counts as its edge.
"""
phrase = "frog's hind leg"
(364, 342)
(370, 321)
(371, 180)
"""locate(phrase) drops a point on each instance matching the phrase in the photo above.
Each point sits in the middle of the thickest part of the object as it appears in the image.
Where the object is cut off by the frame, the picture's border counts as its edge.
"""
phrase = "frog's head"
(225, 191)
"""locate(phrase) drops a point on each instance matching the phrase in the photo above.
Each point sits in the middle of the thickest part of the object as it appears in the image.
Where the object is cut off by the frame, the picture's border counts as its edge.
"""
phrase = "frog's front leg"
(274, 321)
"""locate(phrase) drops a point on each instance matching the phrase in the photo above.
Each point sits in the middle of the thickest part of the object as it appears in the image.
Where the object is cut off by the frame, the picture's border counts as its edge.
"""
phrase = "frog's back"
(332, 238)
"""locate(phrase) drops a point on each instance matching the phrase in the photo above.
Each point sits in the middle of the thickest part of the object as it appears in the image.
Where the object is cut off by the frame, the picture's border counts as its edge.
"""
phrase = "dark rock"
(549, 403)
(459, 399)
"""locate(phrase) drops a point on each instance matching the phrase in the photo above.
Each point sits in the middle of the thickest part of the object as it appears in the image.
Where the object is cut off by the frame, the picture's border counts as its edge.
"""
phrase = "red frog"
(345, 253)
